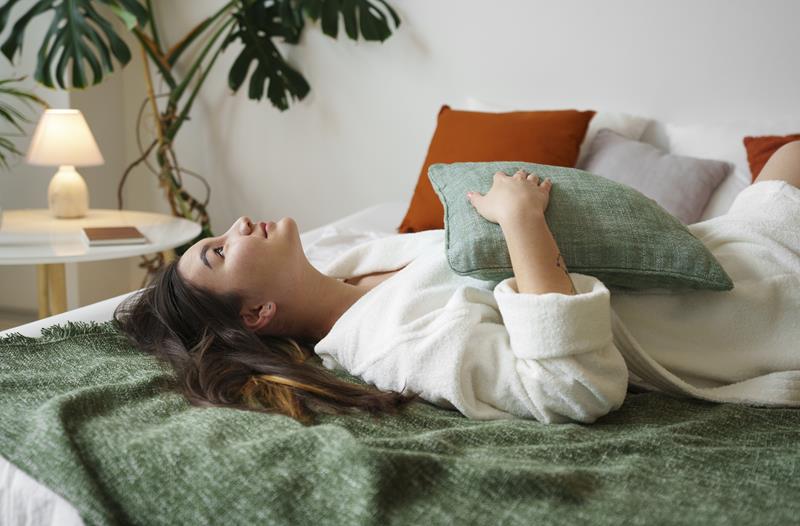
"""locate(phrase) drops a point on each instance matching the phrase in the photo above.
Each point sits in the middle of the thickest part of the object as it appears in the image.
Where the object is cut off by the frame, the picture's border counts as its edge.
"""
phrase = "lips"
(265, 226)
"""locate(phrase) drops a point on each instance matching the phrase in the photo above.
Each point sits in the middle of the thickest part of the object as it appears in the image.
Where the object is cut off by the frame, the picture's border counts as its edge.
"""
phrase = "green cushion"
(603, 229)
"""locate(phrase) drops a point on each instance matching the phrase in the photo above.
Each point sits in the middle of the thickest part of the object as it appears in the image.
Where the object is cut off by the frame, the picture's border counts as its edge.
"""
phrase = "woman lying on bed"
(237, 314)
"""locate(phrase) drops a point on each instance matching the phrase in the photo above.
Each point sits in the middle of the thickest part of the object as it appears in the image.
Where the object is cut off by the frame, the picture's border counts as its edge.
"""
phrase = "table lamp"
(62, 138)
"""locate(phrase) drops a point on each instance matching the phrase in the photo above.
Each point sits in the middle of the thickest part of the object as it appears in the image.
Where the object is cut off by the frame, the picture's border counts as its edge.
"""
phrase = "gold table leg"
(52, 289)
(41, 286)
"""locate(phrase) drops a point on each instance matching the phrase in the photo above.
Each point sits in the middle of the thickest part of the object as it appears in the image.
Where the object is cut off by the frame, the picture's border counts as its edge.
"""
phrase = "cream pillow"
(722, 198)
(723, 141)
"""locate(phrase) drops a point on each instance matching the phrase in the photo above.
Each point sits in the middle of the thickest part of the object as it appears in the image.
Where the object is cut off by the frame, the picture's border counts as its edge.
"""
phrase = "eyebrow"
(203, 257)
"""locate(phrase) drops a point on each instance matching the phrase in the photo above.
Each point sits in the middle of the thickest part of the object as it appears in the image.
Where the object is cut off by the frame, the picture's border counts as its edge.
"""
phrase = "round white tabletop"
(36, 237)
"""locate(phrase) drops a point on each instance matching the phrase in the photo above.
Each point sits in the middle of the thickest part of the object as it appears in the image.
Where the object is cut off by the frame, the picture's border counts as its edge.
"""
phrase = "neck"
(323, 300)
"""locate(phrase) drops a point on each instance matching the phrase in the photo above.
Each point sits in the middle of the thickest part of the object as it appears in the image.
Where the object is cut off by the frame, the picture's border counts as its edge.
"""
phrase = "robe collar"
(384, 254)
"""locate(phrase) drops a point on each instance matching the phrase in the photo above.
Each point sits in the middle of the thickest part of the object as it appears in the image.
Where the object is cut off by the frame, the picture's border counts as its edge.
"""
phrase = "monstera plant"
(82, 45)
(15, 105)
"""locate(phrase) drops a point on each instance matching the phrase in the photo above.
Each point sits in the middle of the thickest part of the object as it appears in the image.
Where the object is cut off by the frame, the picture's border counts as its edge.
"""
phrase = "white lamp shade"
(62, 137)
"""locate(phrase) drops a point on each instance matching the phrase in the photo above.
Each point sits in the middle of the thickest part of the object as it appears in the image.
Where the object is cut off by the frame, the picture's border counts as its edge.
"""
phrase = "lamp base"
(67, 195)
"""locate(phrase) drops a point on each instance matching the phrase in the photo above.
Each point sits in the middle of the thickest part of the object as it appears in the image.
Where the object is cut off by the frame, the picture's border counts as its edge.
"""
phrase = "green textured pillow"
(603, 229)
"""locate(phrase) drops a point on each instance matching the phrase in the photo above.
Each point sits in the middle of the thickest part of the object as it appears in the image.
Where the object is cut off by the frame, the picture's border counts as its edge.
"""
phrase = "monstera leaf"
(82, 39)
(256, 25)
(78, 37)
(365, 16)
(260, 21)
(12, 96)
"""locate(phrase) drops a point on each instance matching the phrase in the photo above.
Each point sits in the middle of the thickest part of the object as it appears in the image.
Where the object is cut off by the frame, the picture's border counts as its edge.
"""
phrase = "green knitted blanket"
(97, 422)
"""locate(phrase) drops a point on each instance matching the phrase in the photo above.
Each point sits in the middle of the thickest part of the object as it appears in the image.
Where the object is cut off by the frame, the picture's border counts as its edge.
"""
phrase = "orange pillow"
(760, 149)
(544, 137)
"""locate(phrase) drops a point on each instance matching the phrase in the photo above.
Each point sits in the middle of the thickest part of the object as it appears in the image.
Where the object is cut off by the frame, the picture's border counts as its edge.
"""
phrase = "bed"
(113, 445)
(23, 500)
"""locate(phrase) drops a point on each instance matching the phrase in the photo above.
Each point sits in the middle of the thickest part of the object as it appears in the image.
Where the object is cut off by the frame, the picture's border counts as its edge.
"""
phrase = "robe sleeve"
(565, 358)
(545, 356)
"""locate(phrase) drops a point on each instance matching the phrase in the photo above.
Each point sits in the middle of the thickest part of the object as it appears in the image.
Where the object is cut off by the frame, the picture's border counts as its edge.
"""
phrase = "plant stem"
(177, 93)
(127, 172)
(153, 28)
(173, 54)
(175, 126)
(152, 95)
(165, 173)
(150, 47)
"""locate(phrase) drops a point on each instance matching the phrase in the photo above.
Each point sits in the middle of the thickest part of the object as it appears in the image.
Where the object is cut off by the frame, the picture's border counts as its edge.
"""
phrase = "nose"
(245, 225)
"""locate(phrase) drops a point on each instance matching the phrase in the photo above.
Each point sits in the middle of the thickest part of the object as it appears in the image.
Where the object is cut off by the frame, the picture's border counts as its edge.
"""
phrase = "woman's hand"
(517, 204)
(514, 197)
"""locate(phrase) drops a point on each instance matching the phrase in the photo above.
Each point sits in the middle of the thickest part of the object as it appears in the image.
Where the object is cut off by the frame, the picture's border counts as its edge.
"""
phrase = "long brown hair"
(219, 362)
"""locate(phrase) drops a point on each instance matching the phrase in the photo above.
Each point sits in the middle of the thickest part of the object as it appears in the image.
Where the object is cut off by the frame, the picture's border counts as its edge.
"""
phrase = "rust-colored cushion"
(760, 149)
(543, 137)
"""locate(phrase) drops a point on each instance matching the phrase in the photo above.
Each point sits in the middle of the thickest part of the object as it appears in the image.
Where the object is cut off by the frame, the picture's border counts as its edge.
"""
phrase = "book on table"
(112, 235)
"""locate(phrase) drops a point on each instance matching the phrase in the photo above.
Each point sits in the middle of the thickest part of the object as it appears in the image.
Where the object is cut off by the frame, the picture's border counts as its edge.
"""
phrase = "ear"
(257, 317)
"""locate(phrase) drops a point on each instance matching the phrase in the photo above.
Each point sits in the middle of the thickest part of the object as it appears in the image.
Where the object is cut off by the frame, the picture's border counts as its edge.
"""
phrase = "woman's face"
(250, 259)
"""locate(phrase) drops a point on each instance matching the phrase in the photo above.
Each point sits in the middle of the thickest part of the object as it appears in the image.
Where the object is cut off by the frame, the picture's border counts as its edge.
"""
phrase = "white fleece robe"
(491, 352)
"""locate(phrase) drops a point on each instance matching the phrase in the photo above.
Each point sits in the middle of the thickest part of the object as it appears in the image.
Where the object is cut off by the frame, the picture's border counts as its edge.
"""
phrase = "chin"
(287, 222)
(290, 227)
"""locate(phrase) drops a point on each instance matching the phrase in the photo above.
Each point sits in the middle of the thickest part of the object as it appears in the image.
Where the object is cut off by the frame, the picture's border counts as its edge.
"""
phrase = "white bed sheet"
(27, 502)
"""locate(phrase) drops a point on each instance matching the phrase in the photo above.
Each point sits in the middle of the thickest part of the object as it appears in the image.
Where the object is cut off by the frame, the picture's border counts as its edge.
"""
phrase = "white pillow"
(630, 126)
(722, 198)
(724, 142)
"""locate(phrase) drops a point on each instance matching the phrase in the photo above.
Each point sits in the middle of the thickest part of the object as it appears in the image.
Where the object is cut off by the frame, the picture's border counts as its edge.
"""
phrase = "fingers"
(473, 197)
(522, 175)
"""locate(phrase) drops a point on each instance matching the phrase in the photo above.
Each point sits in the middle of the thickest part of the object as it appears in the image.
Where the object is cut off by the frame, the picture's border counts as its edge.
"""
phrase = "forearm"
(535, 258)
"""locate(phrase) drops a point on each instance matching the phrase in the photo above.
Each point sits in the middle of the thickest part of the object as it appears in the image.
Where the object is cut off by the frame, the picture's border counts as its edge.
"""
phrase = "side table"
(34, 237)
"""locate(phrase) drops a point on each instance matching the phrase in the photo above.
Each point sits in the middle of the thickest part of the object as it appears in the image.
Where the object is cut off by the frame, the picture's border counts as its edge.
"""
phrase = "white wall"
(361, 135)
